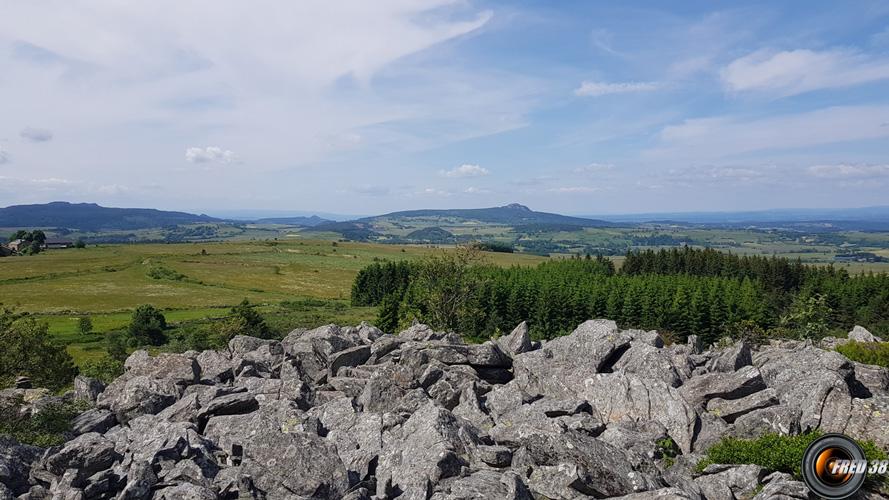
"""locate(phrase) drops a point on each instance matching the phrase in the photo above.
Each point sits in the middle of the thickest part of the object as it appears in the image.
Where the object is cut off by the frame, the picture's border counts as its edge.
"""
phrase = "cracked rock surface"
(352, 412)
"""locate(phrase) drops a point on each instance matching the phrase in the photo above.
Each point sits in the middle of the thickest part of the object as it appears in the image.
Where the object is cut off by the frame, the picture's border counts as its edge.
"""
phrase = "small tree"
(27, 349)
(79, 243)
(34, 248)
(147, 326)
(387, 316)
(117, 346)
(809, 316)
(253, 324)
(85, 325)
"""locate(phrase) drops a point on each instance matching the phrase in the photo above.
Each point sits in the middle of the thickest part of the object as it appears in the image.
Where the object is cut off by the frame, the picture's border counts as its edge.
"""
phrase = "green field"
(298, 283)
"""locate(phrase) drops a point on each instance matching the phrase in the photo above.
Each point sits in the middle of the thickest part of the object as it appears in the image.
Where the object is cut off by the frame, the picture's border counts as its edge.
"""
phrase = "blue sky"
(366, 107)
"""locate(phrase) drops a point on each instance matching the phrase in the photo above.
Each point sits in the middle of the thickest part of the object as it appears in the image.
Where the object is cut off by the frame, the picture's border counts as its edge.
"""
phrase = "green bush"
(105, 369)
(147, 326)
(869, 353)
(165, 273)
(47, 428)
(27, 349)
(773, 452)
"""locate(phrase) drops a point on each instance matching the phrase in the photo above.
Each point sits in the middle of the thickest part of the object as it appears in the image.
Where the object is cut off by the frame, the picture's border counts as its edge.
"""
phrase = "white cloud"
(4, 156)
(798, 71)
(475, 190)
(595, 89)
(849, 171)
(703, 139)
(574, 189)
(721, 175)
(435, 192)
(210, 154)
(594, 168)
(36, 134)
(466, 170)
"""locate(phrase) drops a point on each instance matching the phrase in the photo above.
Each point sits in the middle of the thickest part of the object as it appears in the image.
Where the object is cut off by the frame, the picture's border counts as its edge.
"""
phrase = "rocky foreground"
(350, 412)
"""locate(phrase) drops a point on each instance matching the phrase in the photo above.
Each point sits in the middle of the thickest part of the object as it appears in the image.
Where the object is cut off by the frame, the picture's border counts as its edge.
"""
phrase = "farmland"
(294, 283)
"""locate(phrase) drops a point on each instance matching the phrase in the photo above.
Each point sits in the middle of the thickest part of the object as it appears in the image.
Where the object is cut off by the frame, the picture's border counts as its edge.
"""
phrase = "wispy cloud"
(596, 89)
(797, 71)
(210, 154)
(476, 190)
(575, 189)
(4, 156)
(36, 134)
(849, 171)
(594, 168)
(702, 139)
(465, 170)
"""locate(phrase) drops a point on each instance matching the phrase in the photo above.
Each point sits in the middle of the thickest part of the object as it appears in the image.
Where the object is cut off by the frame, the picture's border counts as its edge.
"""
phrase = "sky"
(362, 107)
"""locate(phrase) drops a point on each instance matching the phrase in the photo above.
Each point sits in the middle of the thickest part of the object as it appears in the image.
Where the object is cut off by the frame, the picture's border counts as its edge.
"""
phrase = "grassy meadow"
(297, 283)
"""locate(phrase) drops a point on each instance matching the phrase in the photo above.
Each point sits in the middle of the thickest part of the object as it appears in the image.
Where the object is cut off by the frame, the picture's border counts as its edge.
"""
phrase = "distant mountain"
(431, 235)
(358, 231)
(295, 221)
(92, 217)
(511, 215)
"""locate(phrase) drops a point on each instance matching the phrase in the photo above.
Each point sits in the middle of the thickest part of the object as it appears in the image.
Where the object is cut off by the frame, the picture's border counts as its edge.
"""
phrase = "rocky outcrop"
(351, 412)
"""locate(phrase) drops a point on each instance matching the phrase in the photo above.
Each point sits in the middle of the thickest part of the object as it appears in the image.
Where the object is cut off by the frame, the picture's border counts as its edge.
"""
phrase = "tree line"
(682, 291)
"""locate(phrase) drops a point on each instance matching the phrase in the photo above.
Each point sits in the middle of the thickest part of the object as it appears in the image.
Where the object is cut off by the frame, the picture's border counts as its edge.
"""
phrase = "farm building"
(58, 244)
(16, 245)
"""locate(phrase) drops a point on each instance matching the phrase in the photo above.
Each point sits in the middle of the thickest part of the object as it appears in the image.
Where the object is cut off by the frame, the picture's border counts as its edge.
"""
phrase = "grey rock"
(874, 378)
(369, 333)
(215, 367)
(494, 455)
(620, 397)
(645, 360)
(867, 419)
(186, 491)
(574, 464)
(546, 416)
(780, 419)
(140, 481)
(815, 381)
(87, 454)
(729, 483)
(178, 368)
(15, 464)
(504, 398)
(352, 356)
(731, 359)
(129, 397)
(861, 334)
(730, 410)
(735, 385)
(483, 484)
(232, 404)
(87, 388)
(518, 341)
(94, 420)
(430, 446)
(665, 493)
(781, 486)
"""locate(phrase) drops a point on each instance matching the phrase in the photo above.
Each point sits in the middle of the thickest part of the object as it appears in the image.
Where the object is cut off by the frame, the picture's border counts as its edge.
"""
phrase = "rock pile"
(351, 412)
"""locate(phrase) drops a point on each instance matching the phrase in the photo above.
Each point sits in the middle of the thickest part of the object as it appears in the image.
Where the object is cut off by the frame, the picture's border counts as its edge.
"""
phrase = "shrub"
(253, 323)
(147, 326)
(869, 353)
(105, 369)
(164, 273)
(47, 428)
(773, 452)
(85, 325)
(27, 349)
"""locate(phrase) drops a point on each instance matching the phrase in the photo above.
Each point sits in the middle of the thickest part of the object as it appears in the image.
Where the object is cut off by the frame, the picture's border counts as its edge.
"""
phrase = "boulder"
(861, 334)
(730, 482)
(129, 397)
(15, 464)
(733, 385)
(87, 388)
(94, 420)
(517, 342)
(730, 410)
(87, 454)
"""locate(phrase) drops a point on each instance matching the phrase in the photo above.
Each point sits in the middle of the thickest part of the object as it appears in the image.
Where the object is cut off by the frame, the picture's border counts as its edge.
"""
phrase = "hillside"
(295, 221)
(510, 215)
(92, 217)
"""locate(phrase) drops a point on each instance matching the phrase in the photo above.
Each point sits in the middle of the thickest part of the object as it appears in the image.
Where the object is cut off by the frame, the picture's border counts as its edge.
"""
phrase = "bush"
(165, 273)
(869, 353)
(253, 323)
(26, 349)
(105, 369)
(49, 427)
(85, 325)
(147, 326)
(773, 452)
